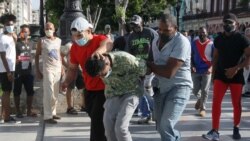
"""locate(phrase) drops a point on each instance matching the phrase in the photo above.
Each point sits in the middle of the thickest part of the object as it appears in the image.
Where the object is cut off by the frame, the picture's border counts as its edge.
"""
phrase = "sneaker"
(144, 120)
(202, 113)
(246, 94)
(11, 120)
(212, 135)
(56, 117)
(71, 111)
(50, 121)
(197, 104)
(19, 115)
(236, 133)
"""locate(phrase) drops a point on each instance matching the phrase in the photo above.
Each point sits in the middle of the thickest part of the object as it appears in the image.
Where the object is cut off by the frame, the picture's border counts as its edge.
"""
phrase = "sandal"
(71, 111)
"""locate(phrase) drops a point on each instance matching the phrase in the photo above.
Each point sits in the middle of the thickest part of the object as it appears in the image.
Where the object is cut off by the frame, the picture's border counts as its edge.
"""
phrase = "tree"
(120, 10)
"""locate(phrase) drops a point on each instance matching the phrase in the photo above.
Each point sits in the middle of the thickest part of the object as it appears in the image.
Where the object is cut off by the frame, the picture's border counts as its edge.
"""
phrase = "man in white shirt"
(7, 62)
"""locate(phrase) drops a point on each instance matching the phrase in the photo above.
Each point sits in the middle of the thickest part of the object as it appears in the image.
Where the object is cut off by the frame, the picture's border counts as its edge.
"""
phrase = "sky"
(35, 4)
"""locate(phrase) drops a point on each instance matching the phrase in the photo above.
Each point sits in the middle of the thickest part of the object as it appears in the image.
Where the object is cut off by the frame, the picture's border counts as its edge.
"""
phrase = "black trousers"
(94, 101)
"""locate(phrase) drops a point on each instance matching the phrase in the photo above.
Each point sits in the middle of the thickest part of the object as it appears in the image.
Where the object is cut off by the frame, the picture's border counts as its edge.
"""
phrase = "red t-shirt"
(80, 54)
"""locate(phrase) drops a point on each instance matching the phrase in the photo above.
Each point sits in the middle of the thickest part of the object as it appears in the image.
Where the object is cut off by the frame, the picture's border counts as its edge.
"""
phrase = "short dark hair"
(24, 26)
(167, 18)
(94, 66)
(7, 17)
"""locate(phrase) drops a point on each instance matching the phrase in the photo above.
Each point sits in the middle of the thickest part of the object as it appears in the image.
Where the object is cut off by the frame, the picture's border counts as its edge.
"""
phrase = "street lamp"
(72, 10)
(177, 8)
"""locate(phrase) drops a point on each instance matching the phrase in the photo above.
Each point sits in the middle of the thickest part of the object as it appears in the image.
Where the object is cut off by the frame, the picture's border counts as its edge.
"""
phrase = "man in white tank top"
(49, 49)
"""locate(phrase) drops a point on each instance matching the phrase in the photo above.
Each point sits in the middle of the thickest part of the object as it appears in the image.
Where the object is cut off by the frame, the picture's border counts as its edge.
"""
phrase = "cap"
(80, 24)
(107, 26)
(230, 17)
(136, 19)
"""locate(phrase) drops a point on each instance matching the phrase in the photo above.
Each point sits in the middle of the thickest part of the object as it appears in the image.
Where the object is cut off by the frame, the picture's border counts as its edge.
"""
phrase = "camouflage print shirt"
(126, 70)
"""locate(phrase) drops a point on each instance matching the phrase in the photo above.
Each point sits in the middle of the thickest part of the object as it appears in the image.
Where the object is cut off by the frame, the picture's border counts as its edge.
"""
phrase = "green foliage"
(120, 11)
(145, 8)
(54, 10)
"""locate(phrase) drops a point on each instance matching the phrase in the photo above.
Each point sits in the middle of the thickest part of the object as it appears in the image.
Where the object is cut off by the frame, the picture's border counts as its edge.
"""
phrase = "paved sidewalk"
(76, 128)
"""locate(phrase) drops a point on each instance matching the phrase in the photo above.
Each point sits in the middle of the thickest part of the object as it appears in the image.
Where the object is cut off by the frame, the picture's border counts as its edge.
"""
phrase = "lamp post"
(177, 8)
(41, 21)
(72, 10)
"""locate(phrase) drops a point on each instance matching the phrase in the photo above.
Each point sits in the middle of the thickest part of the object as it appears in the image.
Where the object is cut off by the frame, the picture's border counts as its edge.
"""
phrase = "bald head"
(49, 29)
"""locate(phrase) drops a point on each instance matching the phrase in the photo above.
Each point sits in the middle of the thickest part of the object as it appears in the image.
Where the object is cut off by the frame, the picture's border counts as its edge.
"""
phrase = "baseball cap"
(230, 17)
(80, 24)
(136, 19)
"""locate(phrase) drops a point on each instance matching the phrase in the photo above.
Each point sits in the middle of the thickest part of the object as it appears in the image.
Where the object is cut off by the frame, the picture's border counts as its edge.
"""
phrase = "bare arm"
(231, 72)
(64, 63)
(70, 76)
(105, 46)
(168, 70)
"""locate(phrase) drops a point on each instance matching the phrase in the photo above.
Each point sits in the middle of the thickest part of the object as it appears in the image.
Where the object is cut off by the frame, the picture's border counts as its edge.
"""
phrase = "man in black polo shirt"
(230, 47)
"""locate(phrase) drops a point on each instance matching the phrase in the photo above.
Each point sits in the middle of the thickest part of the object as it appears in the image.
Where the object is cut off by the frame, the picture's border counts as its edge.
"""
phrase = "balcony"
(240, 12)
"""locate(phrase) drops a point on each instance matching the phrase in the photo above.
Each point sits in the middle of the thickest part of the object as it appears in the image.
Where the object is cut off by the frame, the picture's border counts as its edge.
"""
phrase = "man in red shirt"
(86, 45)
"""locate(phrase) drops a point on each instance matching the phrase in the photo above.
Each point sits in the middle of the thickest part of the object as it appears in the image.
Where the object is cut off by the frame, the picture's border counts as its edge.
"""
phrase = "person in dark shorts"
(23, 73)
(7, 62)
(78, 82)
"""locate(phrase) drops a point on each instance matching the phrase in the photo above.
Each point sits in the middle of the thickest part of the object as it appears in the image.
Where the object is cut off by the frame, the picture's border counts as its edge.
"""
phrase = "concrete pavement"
(76, 128)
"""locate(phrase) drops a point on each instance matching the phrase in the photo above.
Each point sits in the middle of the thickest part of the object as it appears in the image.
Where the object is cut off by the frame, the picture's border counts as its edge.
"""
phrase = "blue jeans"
(169, 107)
(146, 105)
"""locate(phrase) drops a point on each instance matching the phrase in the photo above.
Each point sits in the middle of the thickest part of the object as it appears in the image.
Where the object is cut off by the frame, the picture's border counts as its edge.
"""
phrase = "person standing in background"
(49, 48)
(7, 62)
(23, 73)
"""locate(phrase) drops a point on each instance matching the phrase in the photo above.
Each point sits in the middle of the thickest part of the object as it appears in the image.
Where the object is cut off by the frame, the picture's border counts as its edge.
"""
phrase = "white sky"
(35, 4)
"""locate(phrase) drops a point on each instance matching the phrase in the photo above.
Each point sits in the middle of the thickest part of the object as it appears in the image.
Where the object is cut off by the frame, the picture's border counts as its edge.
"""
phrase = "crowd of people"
(146, 71)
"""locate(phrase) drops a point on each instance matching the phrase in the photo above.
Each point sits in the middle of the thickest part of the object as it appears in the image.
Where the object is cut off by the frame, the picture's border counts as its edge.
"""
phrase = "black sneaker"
(236, 133)
(246, 94)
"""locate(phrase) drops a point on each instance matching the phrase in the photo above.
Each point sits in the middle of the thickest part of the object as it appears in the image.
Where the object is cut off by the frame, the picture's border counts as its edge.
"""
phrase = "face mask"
(108, 74)
(9, 29)
(165, 38)
(82, 41)
(229, 28)
(49, 33)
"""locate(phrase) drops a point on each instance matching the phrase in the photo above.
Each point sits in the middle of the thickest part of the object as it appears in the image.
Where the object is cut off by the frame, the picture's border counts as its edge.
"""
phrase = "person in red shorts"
(230, 47)
(86, 45)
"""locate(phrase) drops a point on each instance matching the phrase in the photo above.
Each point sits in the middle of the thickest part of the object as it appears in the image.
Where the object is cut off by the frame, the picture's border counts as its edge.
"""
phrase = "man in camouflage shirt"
(120, 72)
